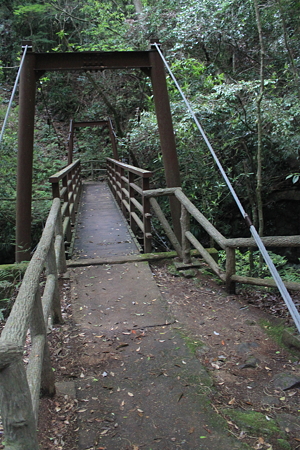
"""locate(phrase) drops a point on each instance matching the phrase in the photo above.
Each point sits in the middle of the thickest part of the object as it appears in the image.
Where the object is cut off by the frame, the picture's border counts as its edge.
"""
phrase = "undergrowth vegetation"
(240, 75)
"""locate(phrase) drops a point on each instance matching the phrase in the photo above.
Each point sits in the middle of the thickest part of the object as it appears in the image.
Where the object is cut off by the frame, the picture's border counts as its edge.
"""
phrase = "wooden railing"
(19, 387)
(66, 185)
(229, 245)
(93, 168)
(123, 179)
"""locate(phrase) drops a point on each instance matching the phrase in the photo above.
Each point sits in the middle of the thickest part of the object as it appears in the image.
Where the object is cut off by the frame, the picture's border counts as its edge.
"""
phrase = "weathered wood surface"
(160, 192)
(201, 219)
(17, 323)
(62, 173)
(205, 255)
(165, 224)
(230, 270)
(141, 172)
(16, 407)
(185, 243)
(269, 241)
(20, 392)
(265, 282)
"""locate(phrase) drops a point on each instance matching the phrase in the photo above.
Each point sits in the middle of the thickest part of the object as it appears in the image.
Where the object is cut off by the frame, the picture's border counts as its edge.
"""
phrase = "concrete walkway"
(140, 388)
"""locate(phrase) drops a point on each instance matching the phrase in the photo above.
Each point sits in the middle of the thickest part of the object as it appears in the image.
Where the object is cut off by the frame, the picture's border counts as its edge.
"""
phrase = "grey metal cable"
(13, 93)
(281, 287)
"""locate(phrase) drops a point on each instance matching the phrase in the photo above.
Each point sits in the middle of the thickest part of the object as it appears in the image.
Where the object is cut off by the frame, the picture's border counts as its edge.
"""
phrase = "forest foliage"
(238, 63)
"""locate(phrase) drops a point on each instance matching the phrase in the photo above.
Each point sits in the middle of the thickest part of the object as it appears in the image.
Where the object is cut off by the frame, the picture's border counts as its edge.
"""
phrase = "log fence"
(67, 185)
(123, 181)
(229, 276)
(20, 387)
(93, 169)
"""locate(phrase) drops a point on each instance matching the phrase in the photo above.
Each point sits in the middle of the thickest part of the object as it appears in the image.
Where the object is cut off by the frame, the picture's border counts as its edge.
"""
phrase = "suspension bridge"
(108, 224)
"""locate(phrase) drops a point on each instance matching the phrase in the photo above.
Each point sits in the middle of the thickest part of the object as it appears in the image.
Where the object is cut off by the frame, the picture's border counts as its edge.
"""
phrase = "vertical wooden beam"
(15, 400)
(132, 194)
(146, 218)
(166, 134)
(25, 158)
(185, 226)
(230, 270)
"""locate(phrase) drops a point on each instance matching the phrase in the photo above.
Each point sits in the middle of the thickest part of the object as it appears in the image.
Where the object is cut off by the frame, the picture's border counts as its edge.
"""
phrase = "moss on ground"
(276, 331)
(283, 444)
(254, 422)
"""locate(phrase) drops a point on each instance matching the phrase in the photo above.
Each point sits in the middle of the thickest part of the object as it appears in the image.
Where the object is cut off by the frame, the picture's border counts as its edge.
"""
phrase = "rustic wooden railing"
(122, 179)
(19, 387)
(66, 185)
(93, 169)
(229, 245)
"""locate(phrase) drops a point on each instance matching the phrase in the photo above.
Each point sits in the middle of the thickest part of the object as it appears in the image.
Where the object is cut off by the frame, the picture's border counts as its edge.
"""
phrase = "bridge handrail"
(121, 179)
(20, 388)
(136, 170)
(229, 245)
(67, 185)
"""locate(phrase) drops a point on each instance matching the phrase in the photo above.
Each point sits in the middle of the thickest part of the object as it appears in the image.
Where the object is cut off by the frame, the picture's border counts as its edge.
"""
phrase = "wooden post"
(166, 133)
(164, 223)
(185, 226)
(146, 219)
(19, 423)
(70, 181)
(52, 270)
(123, 197)
(67, 210)
(39, 358)
(230, 270)
(59, 245)
(131, 191)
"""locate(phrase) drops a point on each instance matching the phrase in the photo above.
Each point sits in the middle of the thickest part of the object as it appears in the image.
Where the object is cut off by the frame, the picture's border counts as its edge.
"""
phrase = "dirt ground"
(230, 336)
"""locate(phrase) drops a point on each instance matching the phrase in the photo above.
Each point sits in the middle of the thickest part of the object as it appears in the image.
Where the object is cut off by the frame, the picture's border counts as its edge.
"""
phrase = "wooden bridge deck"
(102, 230)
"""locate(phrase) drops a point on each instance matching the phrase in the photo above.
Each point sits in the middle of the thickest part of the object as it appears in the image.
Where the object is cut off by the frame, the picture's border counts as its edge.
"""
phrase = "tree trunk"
(259, 126)
(138, 6)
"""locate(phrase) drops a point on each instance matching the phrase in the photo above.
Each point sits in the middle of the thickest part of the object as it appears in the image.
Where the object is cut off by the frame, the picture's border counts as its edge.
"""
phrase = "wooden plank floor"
(102, 230)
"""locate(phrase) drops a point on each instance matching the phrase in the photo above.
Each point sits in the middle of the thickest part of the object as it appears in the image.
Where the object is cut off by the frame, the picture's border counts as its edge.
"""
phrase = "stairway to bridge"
(132, 388)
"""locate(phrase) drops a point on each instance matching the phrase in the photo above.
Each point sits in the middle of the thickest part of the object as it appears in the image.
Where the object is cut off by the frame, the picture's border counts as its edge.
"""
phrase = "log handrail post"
(51, 272)
(70, 184)
(55, 190)
(146, 218)
(230, 270)
(59, 245)
(18, 419)
(132, 208)
(122, 194)
(185, 243)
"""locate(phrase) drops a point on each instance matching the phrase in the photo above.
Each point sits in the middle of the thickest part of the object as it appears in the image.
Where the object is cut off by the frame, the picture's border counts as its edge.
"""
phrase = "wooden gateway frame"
(35, 65)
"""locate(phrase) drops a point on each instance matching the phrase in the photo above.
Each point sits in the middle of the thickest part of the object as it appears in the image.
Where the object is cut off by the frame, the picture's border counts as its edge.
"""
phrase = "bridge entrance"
(35, 65)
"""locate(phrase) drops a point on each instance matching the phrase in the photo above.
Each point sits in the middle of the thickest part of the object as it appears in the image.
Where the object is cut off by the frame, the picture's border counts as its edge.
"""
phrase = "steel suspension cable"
(13, 93)
(281, 287)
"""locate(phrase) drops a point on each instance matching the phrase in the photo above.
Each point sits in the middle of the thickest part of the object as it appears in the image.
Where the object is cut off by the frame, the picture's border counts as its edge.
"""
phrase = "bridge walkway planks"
(102, 230)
